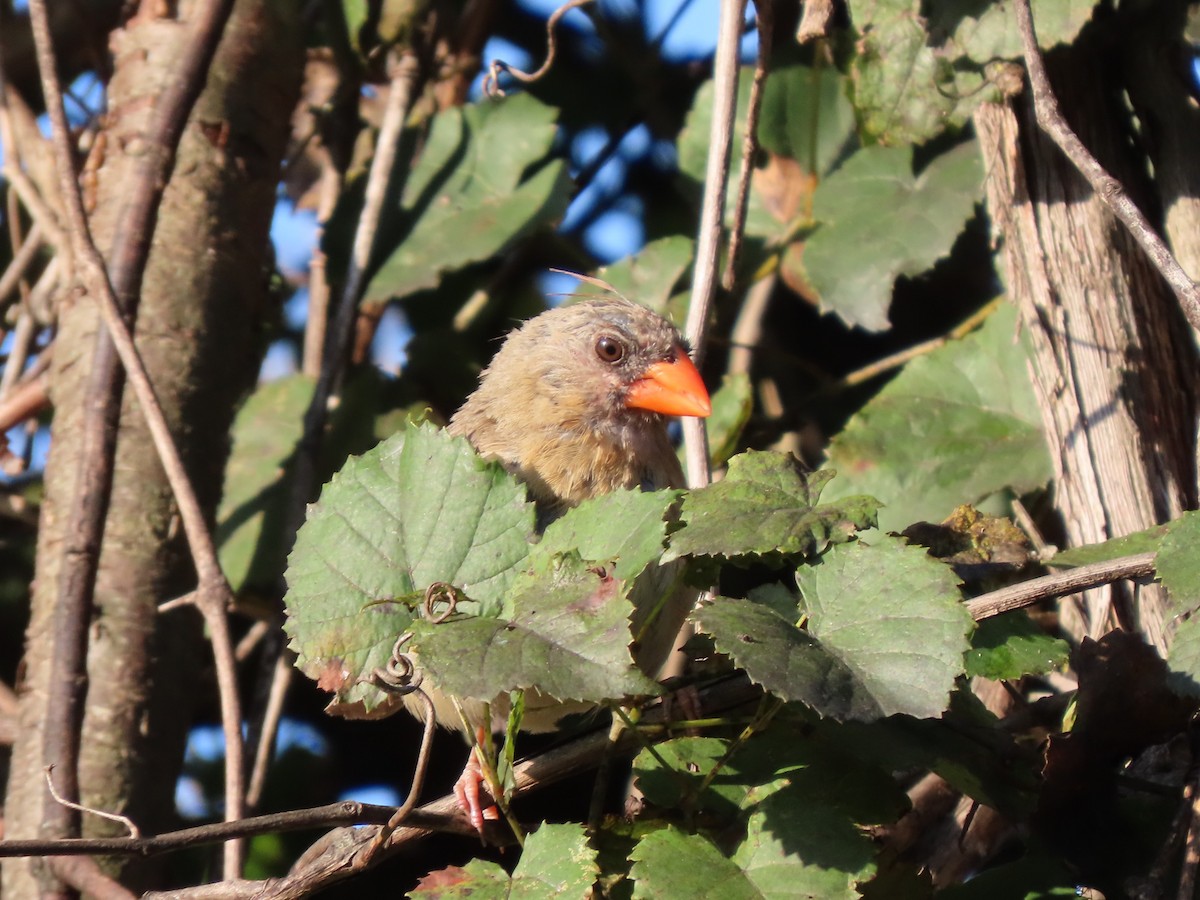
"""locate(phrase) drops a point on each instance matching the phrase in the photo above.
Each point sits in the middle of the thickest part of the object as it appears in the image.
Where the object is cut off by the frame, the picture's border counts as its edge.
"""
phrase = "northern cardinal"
(575, 404)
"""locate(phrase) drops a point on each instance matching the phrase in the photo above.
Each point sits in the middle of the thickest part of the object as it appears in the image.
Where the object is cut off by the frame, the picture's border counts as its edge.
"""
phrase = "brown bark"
(1113, 356)
(198, 331)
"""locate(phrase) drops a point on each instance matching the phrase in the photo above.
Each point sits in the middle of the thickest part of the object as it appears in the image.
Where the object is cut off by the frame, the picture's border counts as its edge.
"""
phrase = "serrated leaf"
(1012, 645)
(420, 508)
(555, 862)
(465, 200)
(786, 660)
(853, 259)
(953, 427)
(1177, 565)
(766, 505)
(894, 617)
(250, 517)
(568, 636)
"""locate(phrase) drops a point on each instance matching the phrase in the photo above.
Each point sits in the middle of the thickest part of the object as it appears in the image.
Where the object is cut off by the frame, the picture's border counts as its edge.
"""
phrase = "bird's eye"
(609, 349)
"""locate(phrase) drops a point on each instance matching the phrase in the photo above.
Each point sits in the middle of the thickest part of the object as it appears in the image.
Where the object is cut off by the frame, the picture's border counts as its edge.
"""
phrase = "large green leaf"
(766, 506)
(420, 508)
(892, 615)
(953, 427)
(879, 221)
(469, 197)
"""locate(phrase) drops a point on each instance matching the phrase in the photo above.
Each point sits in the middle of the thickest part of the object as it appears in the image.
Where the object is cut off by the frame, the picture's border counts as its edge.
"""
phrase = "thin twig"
(1060, 584)
(1107, 188)
(281, 679)
(345, 812)
(134, 831)
(21, 262)
(491, 81)
(129, 254)
(712, 217)
(41, 214)
(908, 354)
(766, 27)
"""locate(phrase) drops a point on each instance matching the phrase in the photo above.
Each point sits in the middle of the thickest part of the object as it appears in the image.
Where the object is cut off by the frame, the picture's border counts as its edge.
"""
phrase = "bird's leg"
(466, 789)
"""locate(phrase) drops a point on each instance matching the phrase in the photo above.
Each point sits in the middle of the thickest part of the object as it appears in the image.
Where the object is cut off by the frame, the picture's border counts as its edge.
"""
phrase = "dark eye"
(609, 349)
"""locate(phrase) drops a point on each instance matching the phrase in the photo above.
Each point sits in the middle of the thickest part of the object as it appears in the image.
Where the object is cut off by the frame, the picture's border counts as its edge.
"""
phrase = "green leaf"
(858, 252)
(953, 427)
(556, 862)
(250, 518)
(568, 636)
(982, 31)
(1012, 645)
(649, 276)
(806, 116)
(625, 527)
(1183, 659)
(670, 863)
(766, 505)
(796, 849)
(894, 616)
(465, 200)
(771, 760)
(914, 77)
(786, 660)
(1177, 564)
(731, 407)
(1147, 541)
(420, 508)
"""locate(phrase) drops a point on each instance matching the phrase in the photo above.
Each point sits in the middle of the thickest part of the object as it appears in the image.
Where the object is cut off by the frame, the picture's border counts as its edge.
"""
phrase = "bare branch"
(1107, 188)
(134, 831)
(1060, 584)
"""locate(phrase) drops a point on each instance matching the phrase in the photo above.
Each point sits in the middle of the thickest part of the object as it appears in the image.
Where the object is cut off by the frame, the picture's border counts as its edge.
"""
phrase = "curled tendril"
(400, 675)
(440, 592)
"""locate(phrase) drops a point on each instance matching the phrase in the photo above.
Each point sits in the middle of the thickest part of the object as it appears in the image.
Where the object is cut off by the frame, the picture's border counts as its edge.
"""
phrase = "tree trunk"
(199, 331)
(1113, 357)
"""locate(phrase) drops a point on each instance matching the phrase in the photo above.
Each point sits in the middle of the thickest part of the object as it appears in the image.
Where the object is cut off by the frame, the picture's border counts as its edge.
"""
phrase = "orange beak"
(672, 387)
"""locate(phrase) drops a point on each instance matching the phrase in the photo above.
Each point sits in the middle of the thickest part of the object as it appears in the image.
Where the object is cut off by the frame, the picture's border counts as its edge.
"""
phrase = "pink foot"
(466, 790)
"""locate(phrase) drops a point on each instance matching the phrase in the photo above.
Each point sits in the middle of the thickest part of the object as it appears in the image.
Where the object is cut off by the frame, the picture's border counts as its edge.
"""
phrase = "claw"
(468, 794)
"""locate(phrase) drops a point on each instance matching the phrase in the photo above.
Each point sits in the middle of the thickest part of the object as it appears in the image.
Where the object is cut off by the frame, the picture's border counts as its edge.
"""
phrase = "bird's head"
(610, 357)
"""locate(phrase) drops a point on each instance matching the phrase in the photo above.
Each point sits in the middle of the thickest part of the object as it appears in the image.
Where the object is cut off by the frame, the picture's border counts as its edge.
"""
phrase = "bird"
(575, 404)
